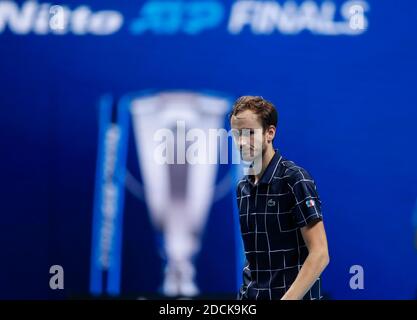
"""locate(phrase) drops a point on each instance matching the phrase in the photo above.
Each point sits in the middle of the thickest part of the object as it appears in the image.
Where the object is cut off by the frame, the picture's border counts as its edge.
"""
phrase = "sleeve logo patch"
(310, 203)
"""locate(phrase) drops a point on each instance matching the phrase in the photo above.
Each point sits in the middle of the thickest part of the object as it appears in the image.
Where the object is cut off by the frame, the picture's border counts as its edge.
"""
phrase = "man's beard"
(258, 156)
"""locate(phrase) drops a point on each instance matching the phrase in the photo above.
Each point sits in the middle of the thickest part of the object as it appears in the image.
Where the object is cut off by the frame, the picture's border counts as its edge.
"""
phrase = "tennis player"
(280, 213)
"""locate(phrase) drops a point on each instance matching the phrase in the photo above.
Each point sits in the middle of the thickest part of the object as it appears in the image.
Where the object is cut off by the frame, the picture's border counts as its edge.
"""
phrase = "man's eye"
(244, 133)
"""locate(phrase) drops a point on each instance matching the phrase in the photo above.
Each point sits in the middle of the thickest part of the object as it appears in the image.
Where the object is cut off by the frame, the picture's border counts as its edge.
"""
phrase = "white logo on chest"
(271, 203)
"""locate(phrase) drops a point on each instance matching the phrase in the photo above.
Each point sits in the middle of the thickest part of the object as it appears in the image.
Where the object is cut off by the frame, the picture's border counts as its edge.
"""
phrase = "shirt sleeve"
(242, 294)
(307, 207)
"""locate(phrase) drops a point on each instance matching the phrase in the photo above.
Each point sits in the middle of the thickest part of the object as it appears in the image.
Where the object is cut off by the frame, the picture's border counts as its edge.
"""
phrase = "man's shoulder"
(293, 172)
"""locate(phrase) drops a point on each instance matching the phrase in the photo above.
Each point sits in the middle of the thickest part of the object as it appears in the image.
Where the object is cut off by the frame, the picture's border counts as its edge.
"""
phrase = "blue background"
(348, 114)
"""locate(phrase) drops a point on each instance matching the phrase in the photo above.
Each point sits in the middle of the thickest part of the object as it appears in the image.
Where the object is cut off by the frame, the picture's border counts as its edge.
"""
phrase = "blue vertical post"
(96, 282)
(114, 271)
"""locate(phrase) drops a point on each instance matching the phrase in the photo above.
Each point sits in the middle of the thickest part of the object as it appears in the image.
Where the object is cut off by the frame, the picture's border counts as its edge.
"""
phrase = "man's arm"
(315, 239)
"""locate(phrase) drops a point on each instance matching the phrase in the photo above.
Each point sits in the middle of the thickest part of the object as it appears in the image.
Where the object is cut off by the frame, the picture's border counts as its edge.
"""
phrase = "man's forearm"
(313, 266)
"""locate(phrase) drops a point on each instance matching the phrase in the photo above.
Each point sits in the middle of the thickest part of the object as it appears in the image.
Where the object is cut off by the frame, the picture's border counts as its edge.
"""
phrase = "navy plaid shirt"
(271, 214)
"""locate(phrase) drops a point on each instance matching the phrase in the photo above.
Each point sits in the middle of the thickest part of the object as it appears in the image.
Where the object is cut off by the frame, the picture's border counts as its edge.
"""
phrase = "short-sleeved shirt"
(271, 214)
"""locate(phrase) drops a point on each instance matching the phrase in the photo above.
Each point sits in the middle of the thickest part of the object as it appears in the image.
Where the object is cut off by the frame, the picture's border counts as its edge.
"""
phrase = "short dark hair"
(264, 109)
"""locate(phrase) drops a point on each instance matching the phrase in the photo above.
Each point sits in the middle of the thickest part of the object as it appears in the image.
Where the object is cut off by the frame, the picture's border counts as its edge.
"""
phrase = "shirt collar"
(269, 171)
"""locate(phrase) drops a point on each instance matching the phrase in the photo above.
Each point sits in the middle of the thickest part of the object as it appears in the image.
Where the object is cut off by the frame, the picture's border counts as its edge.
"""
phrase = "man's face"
(248, 135)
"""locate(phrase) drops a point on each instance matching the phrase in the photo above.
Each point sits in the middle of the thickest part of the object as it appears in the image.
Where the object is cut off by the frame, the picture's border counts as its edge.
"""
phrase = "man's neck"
(266, 159)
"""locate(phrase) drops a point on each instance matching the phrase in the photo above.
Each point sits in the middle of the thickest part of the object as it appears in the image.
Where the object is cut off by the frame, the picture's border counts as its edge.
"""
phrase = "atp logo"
(171, 17)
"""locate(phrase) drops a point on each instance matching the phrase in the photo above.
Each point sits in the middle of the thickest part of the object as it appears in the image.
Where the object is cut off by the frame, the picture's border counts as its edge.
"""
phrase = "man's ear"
(271, 133)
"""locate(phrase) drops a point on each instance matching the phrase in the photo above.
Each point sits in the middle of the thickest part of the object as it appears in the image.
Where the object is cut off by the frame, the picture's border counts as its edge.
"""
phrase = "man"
(280, 217)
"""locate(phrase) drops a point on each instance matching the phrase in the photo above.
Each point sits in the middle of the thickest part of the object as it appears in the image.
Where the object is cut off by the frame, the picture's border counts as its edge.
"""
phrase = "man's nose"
(243, 141)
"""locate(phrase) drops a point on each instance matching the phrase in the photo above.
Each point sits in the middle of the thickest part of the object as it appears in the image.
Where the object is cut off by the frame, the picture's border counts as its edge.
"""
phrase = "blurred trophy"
(178, 193)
